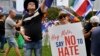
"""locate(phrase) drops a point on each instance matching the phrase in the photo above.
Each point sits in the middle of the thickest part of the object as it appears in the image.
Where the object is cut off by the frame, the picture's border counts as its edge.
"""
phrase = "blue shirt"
(95, 41)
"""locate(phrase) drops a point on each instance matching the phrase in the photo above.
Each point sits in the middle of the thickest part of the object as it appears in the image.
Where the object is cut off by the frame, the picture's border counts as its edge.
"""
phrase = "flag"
(82, 7)
(72, 17)
(48, 3)
(98, 14)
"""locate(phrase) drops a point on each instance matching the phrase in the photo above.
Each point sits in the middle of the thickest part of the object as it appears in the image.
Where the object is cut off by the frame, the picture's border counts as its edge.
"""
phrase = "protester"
(95, 38)
(87, 36)
(64, 18)
(87, 33)
(2, 33)
(32, 31)
(10, 31)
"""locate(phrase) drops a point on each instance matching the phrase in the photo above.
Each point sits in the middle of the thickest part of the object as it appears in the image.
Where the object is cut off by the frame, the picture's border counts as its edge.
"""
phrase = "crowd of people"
(34, 25)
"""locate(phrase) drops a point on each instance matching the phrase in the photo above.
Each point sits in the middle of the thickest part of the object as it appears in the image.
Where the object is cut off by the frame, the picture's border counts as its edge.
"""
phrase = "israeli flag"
(98, 14)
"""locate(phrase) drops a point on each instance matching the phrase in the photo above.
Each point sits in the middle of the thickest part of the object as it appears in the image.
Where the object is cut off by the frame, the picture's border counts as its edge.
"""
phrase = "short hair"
(12, 10)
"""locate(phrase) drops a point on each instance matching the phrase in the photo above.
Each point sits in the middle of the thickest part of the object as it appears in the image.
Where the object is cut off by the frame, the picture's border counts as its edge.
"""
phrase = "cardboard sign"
(67, 40)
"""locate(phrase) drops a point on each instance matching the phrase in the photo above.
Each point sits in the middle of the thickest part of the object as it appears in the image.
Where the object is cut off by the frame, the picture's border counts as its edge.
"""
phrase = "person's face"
(67, 18)
(63, 21)
(13, 14)
(31, 6)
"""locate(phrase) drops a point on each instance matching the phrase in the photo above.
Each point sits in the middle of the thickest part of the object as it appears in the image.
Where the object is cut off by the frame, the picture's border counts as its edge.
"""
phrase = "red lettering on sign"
(70, 40)
(68, 51)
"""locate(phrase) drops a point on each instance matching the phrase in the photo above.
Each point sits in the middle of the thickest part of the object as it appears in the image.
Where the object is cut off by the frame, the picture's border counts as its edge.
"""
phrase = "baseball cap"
(94, 19)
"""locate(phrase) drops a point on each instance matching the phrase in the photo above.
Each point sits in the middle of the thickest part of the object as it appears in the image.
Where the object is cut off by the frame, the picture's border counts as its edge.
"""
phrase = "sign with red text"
(67, 40)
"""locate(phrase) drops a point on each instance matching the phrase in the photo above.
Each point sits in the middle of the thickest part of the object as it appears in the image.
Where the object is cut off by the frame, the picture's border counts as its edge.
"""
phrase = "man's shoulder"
(96, 31)
(8, 18)
(97, 28)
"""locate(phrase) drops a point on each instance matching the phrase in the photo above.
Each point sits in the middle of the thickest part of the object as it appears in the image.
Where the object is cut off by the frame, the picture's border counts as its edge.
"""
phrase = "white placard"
(67, 40)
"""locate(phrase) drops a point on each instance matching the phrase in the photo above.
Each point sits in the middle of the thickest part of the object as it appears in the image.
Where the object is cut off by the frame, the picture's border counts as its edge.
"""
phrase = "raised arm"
(43, 7)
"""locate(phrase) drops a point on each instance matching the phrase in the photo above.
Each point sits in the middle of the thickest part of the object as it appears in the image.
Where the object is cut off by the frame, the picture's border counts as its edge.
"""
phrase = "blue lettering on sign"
(80, 41)
(59, 44)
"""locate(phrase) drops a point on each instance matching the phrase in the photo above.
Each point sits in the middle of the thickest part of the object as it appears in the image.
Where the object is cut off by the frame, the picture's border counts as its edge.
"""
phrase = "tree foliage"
(53, 13)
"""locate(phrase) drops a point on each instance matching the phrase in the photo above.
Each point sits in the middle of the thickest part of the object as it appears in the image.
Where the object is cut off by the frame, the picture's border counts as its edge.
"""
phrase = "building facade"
(7, 4)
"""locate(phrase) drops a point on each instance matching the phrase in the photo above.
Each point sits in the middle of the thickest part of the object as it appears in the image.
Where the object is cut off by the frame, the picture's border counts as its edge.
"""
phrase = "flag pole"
(92, 7)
